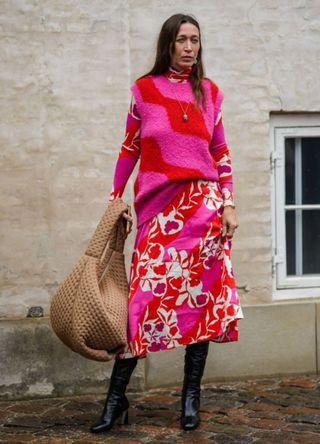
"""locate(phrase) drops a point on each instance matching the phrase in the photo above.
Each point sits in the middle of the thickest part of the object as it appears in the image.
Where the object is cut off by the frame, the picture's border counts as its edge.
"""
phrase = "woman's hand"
(125, 215)
(129, 218)
(229, 221)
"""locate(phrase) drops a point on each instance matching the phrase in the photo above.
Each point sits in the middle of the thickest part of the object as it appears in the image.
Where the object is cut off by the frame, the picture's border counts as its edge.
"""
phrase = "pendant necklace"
(184, 111)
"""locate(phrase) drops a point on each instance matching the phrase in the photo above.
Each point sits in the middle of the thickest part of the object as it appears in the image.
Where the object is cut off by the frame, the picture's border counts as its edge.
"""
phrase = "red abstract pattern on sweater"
(150, 94)
(130, 151)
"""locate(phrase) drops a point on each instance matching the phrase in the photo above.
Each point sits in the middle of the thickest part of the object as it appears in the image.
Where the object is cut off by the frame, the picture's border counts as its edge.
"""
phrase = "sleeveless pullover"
(172, 150)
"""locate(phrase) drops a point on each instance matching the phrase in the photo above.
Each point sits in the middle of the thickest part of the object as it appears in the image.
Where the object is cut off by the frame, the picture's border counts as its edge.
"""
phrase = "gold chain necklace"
(184, 111)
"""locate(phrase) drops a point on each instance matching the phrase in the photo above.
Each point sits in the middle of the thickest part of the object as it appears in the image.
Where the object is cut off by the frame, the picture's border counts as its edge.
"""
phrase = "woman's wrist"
(229, 204)
(227, 197)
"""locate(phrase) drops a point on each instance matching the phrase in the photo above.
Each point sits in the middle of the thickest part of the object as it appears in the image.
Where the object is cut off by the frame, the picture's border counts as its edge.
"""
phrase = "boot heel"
(116, 404)
(125, 417)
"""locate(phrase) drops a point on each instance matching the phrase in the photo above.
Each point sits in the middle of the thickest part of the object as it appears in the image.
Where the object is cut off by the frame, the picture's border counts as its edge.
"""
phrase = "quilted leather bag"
(89, 310)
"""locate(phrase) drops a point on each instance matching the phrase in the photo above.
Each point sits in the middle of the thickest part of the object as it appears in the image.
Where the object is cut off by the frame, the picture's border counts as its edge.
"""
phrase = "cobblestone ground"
(277, 410)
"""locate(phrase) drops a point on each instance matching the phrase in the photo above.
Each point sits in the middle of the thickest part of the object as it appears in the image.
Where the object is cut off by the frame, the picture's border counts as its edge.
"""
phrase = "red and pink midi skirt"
(181, 286)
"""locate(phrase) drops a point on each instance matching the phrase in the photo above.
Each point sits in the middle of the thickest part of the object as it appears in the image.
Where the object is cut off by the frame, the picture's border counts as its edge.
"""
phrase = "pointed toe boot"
(195, 360)
(116, 404)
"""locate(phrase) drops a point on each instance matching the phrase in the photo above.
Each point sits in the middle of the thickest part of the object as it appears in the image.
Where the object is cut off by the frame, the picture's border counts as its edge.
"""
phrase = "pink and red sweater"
(171, 150)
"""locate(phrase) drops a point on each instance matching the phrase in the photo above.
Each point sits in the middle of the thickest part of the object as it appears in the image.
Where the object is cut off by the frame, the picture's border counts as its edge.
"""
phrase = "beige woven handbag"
(89, 310)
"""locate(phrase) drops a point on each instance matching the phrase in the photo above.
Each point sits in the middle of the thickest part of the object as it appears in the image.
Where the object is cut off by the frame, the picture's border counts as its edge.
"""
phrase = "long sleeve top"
(130, 151)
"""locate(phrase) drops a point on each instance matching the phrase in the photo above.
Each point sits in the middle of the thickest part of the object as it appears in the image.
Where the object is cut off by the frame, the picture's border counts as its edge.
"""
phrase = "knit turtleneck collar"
(178, 75)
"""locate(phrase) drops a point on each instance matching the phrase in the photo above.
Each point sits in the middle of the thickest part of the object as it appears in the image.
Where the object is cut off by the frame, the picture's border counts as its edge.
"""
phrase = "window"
(296, 205)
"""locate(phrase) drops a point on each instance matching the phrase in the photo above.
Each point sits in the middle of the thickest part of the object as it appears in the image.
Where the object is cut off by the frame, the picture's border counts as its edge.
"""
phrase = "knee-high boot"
(116, 404)
(195, 360)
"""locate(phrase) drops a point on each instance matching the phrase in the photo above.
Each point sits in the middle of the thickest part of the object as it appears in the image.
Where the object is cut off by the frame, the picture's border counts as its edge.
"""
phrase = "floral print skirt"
(181, 287)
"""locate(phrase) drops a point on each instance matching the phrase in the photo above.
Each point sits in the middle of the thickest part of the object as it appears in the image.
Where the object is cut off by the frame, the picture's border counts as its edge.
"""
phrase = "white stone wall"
(66, 67)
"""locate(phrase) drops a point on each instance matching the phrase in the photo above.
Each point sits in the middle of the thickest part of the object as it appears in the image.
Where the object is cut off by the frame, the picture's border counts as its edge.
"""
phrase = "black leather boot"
(117, 404)
(195, 360)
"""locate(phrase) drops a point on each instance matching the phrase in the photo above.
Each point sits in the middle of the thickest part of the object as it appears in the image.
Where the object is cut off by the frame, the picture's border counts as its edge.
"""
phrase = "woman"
(182, 289)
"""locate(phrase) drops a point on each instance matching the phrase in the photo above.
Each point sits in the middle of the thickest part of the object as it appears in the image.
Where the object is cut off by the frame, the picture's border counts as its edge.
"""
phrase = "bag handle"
(108, 229)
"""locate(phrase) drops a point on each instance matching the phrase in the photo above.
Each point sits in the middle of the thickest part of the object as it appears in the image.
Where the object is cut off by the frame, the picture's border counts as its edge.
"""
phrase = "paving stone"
(253, 422)
(259, 406)
(310, 383)
(17, 438)
(54, 441)
(160, 399)
(300, 427)
(307, 419)
(285, 437)
(192, 437)
(300, 410)
(276, 410)
(211, 405)
(225, 438)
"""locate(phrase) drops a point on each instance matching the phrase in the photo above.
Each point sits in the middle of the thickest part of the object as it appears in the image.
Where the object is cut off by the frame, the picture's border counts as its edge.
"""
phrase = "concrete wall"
(274, 339)
(66, 68)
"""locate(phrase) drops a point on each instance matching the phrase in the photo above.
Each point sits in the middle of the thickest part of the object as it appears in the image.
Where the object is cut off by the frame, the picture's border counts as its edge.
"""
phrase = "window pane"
(311, 170)
(290, 170)
(311, 241)
(290, 242)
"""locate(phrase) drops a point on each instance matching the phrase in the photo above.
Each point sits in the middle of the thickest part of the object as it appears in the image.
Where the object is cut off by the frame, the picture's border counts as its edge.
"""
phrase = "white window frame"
(282, 126)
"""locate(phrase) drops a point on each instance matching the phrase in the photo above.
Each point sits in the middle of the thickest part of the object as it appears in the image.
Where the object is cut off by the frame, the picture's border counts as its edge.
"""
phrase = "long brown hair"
(165, 45)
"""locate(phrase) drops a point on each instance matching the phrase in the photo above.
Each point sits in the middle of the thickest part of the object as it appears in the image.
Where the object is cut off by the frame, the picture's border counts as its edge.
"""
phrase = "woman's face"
(186, 47)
